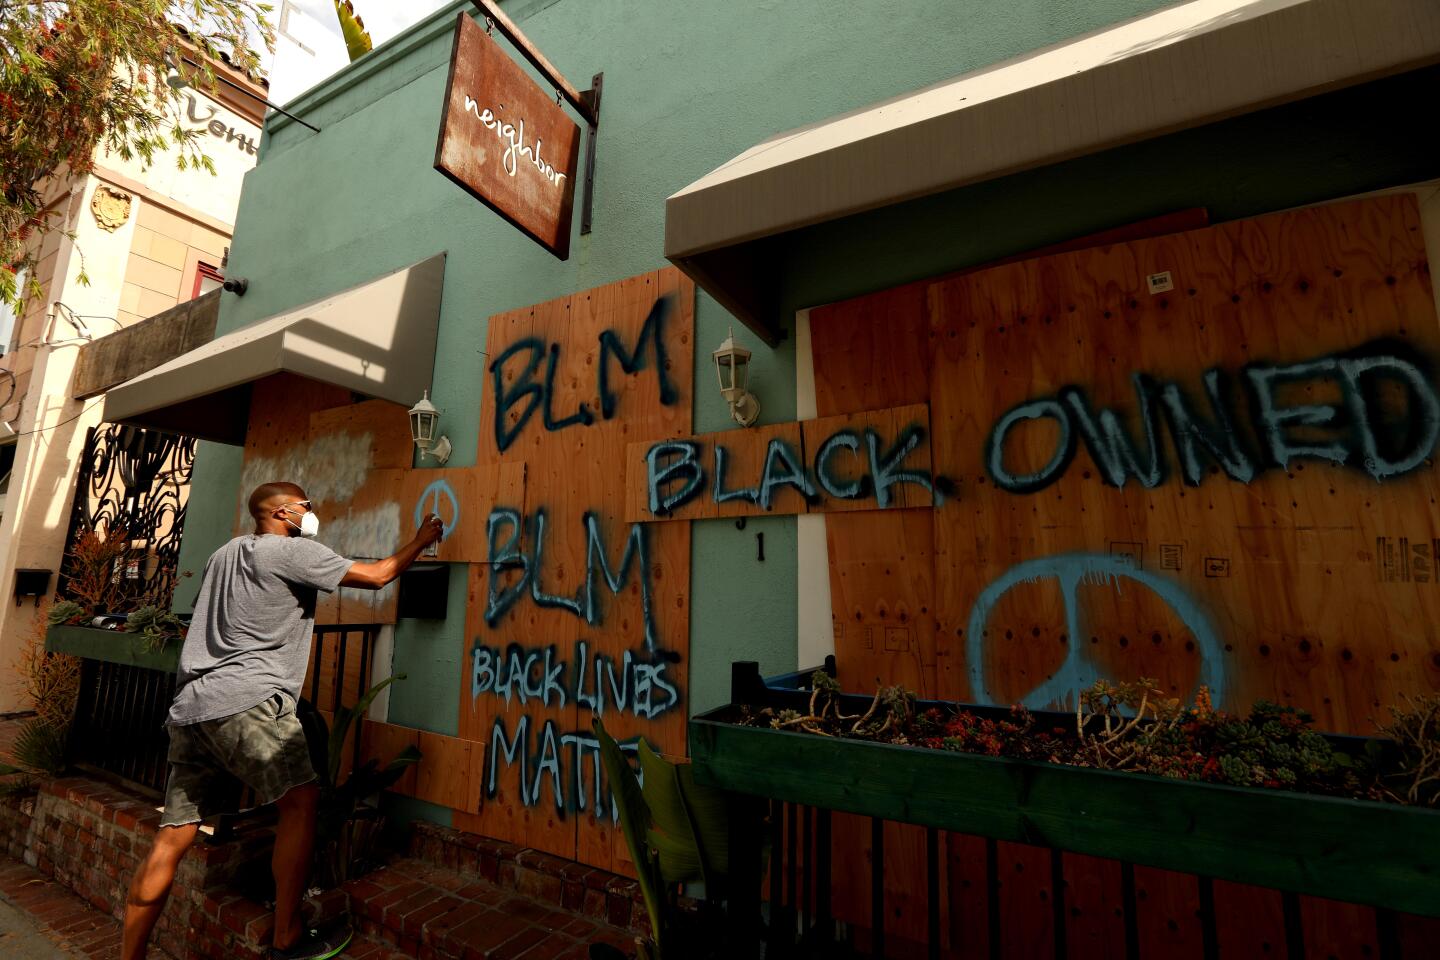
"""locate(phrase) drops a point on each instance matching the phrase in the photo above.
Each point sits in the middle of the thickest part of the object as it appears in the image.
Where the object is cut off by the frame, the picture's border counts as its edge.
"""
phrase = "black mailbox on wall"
(424, 592)
(31, 584)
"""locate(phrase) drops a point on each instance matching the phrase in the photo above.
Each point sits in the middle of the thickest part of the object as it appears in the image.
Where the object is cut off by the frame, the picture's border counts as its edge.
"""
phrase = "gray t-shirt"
(250, 636)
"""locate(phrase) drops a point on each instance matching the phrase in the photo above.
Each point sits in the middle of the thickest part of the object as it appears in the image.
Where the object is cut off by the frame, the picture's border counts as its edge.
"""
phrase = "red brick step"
(433, 913)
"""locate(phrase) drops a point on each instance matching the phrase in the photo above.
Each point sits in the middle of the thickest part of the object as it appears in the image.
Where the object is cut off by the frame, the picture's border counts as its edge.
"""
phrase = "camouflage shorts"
(262, 748)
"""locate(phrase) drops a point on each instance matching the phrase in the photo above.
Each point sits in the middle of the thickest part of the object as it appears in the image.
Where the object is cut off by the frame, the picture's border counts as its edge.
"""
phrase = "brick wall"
(597, 894)
(90, 837)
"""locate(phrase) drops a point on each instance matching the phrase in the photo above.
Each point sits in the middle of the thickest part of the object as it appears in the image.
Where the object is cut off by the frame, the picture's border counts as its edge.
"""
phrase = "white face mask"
(309, 525)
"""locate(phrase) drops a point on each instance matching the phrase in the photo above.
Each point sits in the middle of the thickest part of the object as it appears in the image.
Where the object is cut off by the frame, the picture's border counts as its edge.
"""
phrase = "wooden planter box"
(112, 646)
(1379, 854)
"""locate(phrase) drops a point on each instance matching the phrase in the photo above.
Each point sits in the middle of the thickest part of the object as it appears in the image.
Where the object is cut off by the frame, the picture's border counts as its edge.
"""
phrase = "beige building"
(147, 239)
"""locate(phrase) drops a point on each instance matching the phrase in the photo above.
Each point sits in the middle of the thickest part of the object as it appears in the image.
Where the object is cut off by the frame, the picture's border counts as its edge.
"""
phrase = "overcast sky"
(309, 46)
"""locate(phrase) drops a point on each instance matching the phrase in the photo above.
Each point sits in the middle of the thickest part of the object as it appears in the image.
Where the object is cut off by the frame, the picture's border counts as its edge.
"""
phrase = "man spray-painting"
(233, 718)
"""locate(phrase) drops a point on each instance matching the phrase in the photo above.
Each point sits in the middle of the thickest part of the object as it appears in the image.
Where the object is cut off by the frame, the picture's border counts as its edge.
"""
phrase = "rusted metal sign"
(506, 141)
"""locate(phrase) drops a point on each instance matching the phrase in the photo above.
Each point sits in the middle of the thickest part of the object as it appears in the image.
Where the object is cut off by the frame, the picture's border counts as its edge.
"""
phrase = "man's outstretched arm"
(373, 576)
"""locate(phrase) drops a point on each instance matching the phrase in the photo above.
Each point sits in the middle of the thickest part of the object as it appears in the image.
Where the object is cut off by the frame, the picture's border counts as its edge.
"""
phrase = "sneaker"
(317, 943)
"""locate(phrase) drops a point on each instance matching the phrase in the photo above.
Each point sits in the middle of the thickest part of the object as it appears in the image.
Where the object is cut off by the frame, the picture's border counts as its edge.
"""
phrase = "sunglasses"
(303, 503)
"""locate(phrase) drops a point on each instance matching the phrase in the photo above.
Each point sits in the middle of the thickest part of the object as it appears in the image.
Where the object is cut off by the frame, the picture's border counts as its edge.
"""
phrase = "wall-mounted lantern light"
(424, 430)
(732, 364)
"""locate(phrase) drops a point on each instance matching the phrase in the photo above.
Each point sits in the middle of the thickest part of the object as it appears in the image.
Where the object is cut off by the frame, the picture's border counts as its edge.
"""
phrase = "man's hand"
(373, 576)
(431, 530)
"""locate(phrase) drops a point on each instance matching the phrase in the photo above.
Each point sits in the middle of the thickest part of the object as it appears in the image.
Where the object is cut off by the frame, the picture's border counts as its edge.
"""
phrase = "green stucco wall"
(688, 85)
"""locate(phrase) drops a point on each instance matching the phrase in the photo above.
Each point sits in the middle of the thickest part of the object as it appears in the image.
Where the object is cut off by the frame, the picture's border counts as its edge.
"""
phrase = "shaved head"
(268, 496)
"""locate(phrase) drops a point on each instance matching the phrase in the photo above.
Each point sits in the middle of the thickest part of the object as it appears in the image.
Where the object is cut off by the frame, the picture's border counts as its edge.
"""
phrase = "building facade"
(145, 239)
(890, 211)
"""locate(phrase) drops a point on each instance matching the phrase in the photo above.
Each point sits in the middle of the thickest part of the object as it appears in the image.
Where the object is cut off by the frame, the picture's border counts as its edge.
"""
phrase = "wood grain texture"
(448, 773)
(383, 742)
(1300, 584)
(462, 497)
(1285, 567)
(486, 82)
(1321, 583)
(870, 353)
(347, 456)
(881, 595)
(744, 464)
(572, 477)
(732, 461)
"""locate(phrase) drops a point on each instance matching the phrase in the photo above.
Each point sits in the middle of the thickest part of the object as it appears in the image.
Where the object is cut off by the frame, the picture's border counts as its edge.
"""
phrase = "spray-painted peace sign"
(1079, 671)
(439, 498)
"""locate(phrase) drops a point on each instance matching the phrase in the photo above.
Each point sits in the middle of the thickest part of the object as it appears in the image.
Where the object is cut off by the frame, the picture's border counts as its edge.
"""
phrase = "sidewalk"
(41, 920)
(22, 939)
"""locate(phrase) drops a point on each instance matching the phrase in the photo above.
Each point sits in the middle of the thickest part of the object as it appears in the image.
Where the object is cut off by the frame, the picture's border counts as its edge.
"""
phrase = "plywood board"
(346, 457)
(551, 408)
(448, 773)
(743, 455)
(462, 498)
(383, 742)
(881, 594)
(1318, 583)
(386, 424)
(875, 460)
(1260, 581)
(443, 777)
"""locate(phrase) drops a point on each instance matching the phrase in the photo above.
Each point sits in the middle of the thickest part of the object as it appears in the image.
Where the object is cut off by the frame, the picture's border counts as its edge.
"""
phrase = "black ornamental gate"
(133, 485)
(121, 553)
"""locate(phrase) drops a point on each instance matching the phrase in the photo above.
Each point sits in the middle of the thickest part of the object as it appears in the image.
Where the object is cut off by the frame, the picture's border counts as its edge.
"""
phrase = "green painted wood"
(112, 646)
(1358, 851)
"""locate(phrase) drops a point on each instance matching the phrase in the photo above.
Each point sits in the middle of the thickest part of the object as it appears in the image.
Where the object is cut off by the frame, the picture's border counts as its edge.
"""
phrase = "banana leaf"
(344, 718)
(357, 39)
(635, 823)
(690, 823)
(370, 779)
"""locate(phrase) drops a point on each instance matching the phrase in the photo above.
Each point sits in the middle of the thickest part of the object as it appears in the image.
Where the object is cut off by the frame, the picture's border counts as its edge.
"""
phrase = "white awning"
(377, 339)
(1178, 67)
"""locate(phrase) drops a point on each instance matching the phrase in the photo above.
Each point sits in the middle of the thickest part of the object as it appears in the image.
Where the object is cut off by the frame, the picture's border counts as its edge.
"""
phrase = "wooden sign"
(506, 141)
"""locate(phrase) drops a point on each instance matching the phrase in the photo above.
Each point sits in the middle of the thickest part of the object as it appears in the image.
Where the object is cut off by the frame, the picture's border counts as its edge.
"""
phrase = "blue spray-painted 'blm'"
(636, 683)
(1385, 423)
(539, 754)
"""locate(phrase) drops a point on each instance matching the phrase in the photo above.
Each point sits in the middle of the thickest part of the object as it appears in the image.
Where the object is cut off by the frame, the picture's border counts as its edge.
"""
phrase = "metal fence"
(119, 722)
(119, 731)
